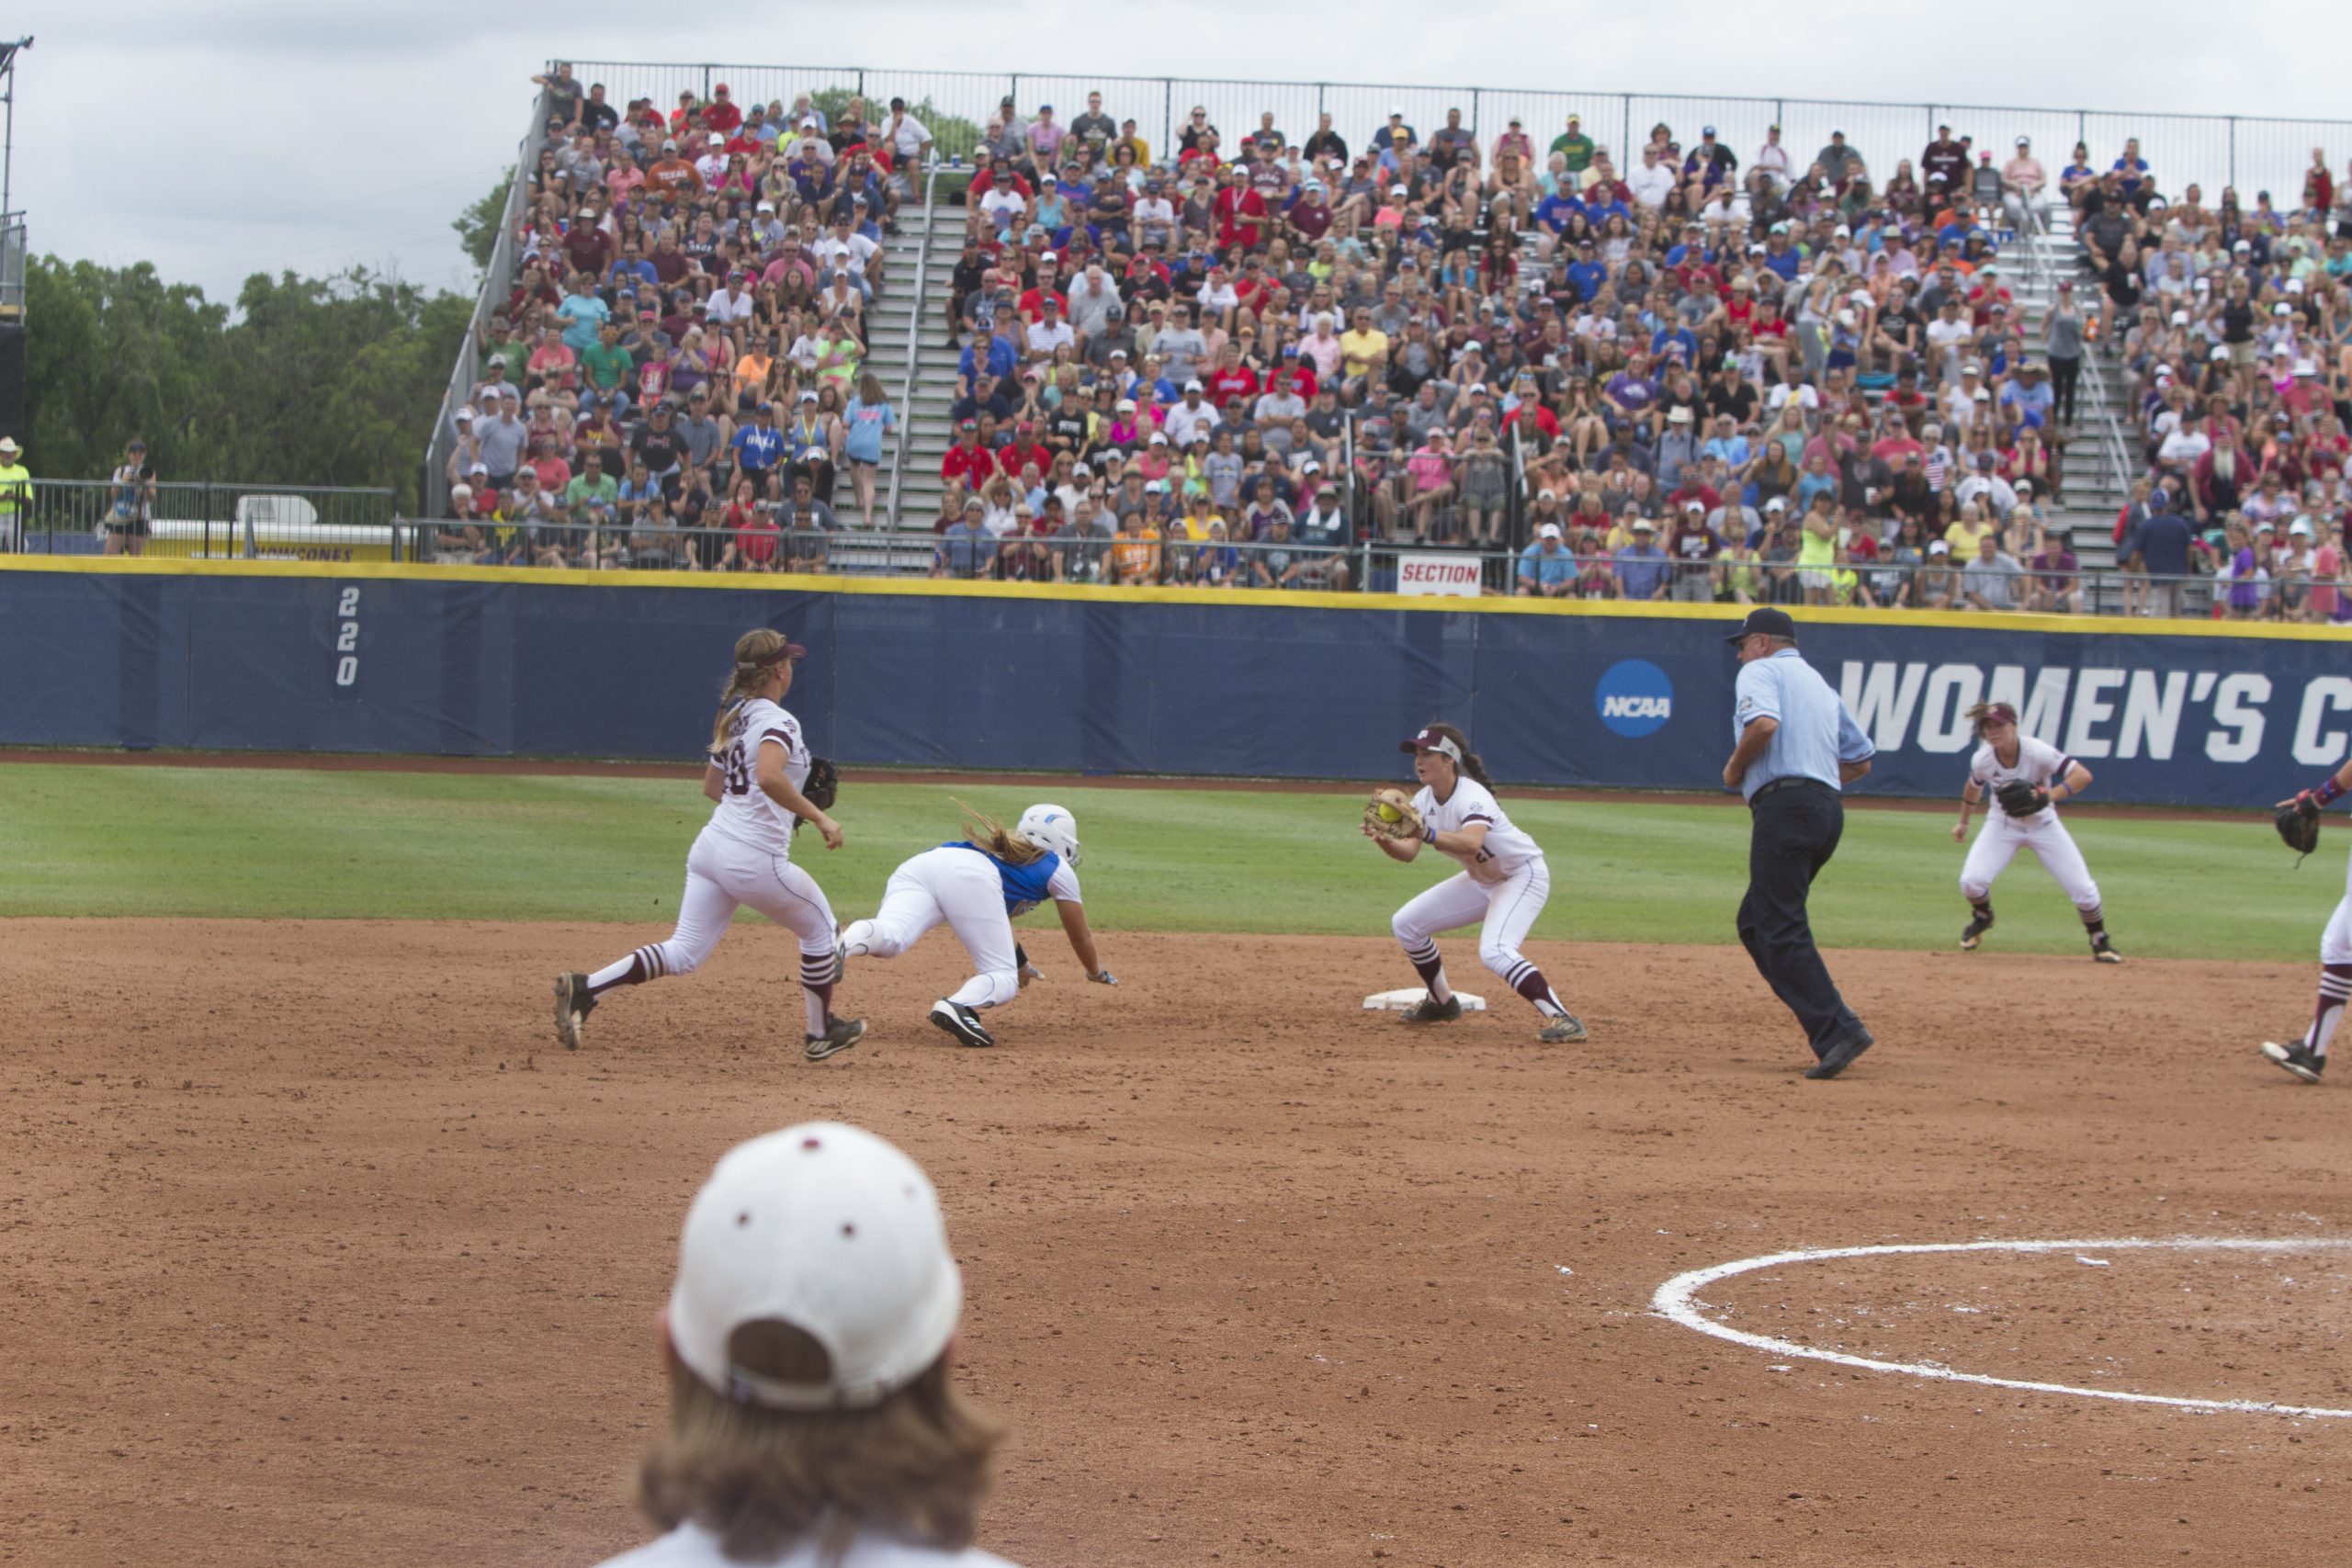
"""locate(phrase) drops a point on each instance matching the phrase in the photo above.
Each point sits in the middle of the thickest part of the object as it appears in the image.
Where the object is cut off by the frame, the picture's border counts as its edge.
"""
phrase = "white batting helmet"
(1050, 828)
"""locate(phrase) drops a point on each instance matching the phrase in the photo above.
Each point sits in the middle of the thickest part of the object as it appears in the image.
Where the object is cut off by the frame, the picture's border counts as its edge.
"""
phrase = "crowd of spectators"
(2233, 329)
(677, 378)
(1673, 371)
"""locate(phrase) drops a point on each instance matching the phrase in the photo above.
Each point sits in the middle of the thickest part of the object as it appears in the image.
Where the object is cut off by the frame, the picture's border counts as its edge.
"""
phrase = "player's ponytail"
(756, 655)
(1471, 765)
(1000, 841)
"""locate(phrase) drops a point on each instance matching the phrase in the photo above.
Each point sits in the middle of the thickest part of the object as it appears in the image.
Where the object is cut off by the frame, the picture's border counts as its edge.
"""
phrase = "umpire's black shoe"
(1841, 1056)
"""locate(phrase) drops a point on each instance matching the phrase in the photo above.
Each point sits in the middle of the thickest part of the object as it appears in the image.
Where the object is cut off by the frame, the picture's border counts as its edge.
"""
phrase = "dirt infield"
(319, 1250)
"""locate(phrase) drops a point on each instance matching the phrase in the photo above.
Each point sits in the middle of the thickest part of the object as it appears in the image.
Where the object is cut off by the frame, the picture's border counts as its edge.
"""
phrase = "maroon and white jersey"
(745, 813)
(1506, 848)
(2039, 763)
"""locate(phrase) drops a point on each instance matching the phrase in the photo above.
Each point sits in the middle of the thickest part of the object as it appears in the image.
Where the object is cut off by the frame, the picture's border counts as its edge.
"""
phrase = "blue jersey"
(1025, 886)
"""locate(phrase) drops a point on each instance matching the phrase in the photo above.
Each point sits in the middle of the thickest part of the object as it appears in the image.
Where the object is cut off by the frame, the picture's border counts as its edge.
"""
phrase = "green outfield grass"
(267, 842)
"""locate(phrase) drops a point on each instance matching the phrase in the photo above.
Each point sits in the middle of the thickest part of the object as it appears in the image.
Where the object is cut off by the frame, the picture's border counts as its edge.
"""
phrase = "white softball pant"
(2336, 943)
(1504, 912)
(960, 887)
(2001, 837)
(721, 874)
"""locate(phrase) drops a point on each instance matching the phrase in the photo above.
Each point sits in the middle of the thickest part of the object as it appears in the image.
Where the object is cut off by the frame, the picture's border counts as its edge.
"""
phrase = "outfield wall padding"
(495, 664)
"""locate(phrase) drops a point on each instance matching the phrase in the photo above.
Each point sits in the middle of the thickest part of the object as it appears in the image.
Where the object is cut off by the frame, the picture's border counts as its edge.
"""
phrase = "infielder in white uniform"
(2307, 1058)
(743, 855)
(2024, 778)
(1502, 887)
(814, 1417)
(978, 886)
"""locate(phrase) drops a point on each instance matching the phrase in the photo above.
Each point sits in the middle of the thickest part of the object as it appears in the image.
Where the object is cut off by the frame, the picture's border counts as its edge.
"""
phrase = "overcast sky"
(224, 138)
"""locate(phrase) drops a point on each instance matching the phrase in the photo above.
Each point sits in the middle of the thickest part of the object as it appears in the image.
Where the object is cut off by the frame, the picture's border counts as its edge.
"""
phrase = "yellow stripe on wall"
(921, 587)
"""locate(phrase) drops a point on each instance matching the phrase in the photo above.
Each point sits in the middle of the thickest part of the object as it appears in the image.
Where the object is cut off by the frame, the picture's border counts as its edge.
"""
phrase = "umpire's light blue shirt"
(1815, 731)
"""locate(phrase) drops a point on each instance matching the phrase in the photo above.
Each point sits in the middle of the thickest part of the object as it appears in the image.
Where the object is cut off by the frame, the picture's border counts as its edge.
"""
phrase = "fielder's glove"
(2298, 823)
(823, 785)
(2019, 798)
(1389, 814)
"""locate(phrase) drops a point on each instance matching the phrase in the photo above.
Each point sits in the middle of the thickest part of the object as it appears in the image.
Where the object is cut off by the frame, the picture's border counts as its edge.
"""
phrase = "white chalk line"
(1675, 1300)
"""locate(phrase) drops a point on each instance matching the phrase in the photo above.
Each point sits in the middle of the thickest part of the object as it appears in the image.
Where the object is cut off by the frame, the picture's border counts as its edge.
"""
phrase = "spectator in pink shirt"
(2025, 189)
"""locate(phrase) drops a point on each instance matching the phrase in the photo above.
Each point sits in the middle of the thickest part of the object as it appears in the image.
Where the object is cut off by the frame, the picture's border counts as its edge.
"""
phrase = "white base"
(1407, 1001)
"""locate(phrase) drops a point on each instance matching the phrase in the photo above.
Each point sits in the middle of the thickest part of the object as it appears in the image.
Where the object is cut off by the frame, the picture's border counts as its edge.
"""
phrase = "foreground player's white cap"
(829, 1229)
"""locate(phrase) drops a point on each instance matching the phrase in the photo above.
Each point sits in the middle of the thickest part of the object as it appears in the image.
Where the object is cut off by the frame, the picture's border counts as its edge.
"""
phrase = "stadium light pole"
(8, 53)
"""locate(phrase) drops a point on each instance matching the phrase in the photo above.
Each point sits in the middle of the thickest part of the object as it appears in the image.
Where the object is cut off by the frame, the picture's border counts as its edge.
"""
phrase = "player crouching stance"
(2025, 778)
(1502, 884)
(979, 886)
(2298, 823)
(757, 770)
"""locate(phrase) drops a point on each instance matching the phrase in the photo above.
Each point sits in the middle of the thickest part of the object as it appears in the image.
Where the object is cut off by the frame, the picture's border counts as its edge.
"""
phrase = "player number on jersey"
(738, 772)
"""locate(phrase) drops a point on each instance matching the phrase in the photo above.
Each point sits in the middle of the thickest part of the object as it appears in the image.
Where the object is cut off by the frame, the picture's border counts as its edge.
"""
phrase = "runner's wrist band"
(2328, 792)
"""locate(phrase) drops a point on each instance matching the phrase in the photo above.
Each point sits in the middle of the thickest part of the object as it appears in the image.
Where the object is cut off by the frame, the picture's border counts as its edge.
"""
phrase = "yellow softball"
(1387, 813)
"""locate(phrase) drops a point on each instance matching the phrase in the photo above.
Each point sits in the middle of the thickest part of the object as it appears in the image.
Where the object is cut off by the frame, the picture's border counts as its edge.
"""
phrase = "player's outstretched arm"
(778, 788)
(1082, 940)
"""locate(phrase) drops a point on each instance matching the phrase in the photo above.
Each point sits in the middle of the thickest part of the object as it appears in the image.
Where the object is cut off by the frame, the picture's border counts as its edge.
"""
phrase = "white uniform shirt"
(1506, 848)
(2039, 763)
(745, 813)
(691, 1546)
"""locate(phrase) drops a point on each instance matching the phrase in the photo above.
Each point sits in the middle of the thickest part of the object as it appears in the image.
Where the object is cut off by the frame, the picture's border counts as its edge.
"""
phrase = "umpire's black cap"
(1766, 619)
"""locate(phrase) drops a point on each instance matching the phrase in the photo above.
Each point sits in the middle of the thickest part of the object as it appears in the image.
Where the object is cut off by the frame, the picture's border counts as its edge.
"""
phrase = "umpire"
(1797, 748)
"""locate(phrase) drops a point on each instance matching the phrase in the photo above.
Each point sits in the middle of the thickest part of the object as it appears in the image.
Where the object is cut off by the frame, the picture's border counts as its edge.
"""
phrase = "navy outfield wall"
(466, 662)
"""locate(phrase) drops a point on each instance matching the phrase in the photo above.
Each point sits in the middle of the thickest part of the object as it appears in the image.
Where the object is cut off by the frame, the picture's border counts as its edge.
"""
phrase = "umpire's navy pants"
(1793, 829)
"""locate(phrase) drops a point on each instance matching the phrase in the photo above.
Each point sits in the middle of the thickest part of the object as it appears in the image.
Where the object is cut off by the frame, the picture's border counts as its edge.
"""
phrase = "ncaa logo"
(1634, 698)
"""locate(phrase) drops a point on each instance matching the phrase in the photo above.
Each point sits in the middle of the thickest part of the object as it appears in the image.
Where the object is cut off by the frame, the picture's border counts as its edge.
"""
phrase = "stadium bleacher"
(1978, 377)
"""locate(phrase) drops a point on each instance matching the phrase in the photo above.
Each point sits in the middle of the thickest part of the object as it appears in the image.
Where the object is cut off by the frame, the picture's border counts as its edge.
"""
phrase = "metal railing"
(498, 278)
(1172, 557)
(205, 521)
(2213, 150)
(914, 346)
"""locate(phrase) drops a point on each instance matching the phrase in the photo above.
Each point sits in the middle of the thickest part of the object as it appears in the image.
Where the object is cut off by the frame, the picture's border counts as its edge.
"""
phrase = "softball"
(1387, 813)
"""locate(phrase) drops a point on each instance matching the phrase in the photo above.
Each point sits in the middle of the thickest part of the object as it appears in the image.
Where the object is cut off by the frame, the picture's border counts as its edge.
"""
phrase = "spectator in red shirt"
(967, 462)
(721, 113)
(1232, 379)
(1240, 213)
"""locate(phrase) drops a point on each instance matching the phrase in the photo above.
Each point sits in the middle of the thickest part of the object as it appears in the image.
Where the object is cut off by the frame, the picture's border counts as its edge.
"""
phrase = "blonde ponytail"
(1000, 841)
(757, 653)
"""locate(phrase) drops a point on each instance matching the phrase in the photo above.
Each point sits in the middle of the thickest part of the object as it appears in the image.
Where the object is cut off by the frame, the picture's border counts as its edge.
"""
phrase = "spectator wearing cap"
(2025, 189)
(1693, 547)
(1644, 571)
(503, 439)
(1546, 567)
(966, 547)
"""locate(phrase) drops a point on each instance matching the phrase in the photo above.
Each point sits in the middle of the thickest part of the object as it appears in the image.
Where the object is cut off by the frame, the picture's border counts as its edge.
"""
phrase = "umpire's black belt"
(1793, 780)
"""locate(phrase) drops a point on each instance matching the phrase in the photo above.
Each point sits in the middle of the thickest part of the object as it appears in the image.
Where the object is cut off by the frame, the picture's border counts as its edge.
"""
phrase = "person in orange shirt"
(1134, 551)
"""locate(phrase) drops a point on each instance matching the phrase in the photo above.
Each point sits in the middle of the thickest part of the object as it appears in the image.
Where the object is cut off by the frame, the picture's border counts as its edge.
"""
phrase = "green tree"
(477, 226)
(315, 381)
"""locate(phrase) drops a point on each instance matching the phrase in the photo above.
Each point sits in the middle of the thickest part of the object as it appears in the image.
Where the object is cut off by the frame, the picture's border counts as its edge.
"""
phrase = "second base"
(1407, 1001)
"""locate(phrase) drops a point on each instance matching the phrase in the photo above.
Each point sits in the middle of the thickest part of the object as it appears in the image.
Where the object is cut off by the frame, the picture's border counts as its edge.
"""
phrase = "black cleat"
(840, 1035)
(1429, 1009)
(2104, 951)
(1841, 1056)
(962, 1023)
(1973, 932)
(572, 1006)
(2296, 1058)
